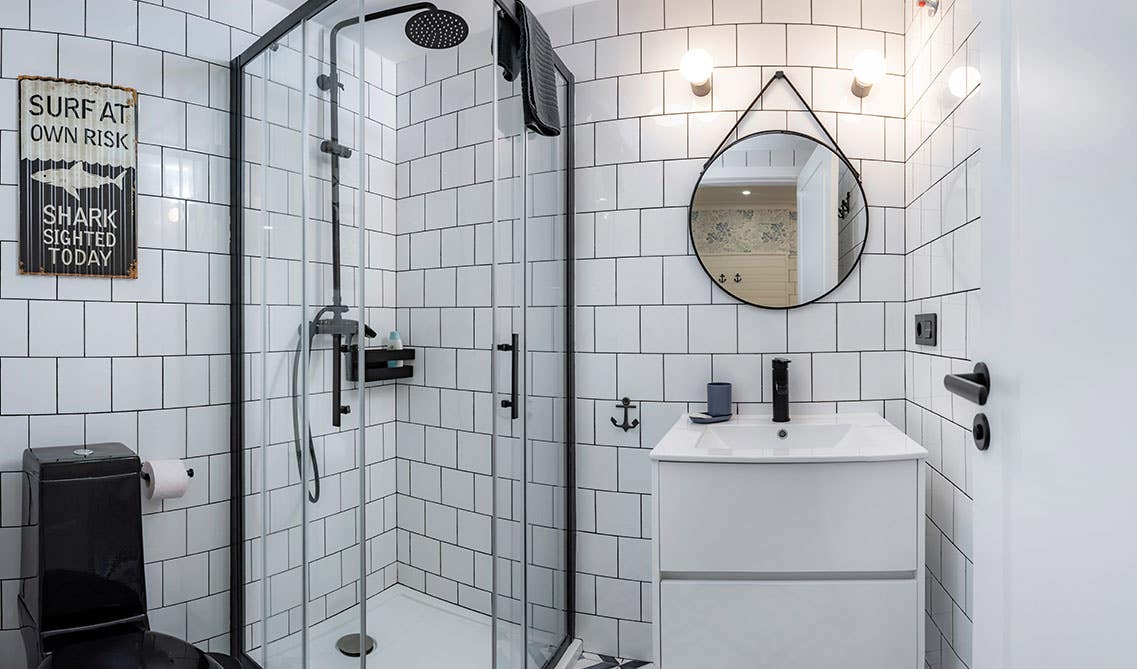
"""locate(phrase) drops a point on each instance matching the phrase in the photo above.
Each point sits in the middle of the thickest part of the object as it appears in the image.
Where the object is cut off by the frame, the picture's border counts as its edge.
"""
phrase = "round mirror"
(779, 219)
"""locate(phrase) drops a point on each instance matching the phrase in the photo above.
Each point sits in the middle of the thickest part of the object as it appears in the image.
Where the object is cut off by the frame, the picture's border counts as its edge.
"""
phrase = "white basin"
(744, 436)
(810, 438)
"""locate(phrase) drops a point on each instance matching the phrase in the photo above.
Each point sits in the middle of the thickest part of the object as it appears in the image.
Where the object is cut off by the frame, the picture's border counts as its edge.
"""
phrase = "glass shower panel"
(334, 295)
(547, 430)
(272, 256)
(531, 445)
(375, 190)
(254, 308)
(509, 377)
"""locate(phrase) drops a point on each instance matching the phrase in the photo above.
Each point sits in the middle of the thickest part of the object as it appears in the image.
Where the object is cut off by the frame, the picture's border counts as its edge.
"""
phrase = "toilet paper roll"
(165, 479)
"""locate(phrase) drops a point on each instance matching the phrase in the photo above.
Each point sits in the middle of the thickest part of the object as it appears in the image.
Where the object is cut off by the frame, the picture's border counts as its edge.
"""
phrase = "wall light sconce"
(868, 69)
(963, 80)
(697, 67)
(932, 6)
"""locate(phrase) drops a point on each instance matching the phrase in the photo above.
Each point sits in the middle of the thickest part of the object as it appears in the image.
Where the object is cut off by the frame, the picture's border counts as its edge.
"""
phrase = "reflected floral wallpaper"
(753, 230)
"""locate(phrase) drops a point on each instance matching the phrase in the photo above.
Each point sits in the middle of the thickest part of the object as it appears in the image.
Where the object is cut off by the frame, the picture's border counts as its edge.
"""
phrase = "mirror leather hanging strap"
(781, 75)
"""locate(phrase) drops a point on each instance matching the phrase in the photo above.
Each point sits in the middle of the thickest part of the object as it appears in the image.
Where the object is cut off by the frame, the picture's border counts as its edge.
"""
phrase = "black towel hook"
(625, 404)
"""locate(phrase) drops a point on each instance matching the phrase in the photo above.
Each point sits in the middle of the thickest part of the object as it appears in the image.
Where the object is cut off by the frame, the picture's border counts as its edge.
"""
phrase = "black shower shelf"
(375, 364)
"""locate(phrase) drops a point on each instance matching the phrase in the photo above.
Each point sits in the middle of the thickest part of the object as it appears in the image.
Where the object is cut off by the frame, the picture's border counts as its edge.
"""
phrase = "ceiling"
(386, 36)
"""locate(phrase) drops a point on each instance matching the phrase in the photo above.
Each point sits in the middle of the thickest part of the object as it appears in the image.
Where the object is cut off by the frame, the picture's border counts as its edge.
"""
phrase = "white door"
(817, 225)
(1056, 494)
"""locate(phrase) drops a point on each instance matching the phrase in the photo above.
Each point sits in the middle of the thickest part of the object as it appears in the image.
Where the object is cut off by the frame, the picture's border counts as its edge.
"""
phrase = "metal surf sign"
(78, 171)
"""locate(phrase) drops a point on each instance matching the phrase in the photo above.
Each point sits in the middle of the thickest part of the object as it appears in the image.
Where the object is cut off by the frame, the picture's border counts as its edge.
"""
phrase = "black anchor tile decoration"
(626, 404)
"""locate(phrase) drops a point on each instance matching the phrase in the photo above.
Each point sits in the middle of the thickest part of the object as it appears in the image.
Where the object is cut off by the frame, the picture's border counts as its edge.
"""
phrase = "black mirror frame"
(691, 213)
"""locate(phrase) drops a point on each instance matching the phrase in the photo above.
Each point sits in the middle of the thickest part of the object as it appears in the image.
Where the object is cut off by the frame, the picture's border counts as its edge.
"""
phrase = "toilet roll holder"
(146, 477)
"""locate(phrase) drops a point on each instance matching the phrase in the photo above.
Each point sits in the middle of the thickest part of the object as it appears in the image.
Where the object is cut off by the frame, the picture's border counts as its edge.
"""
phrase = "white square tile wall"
(643, 300)
(649, 323)
(941, 244)
(143, 362)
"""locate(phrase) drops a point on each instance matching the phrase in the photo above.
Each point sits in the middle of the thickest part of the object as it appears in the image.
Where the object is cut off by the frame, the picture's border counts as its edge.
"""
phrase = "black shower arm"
(334, 41)
(334, 102)
(383, 13)
(373, 16)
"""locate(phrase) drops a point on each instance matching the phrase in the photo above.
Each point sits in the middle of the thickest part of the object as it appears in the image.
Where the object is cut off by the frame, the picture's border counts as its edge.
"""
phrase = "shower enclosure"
(398, 507)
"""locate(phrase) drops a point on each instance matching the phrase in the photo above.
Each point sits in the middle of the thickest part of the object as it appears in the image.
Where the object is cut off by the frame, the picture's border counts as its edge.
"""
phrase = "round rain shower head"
(437, 29)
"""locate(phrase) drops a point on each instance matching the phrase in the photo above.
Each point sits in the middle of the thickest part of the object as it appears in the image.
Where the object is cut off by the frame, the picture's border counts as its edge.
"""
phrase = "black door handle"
(972, 387)
(337, 390)
(511, 403)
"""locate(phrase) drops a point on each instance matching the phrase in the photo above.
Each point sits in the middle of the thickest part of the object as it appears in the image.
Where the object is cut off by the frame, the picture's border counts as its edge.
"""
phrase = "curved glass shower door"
(534, 417)
(301, 284)
(549, 390)
(268, 317)
(339, 532)
(391, 195)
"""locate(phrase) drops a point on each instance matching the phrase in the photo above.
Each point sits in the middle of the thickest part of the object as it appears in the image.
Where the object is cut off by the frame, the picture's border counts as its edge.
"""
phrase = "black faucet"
(781, 390)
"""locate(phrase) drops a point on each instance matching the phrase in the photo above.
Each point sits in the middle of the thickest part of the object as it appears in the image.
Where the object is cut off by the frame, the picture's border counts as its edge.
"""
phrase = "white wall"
(650, 324)
(143, 362)
(942, 222)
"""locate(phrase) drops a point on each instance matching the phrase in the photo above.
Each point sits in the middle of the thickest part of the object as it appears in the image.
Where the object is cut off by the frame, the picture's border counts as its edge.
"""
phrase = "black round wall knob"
(981, 431)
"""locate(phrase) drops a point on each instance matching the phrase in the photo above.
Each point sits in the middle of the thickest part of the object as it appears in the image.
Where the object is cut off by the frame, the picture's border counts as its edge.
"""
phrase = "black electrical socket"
(926, 329)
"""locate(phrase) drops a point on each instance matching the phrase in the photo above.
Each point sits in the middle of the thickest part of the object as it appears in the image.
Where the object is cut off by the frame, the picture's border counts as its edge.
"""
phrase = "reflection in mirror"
(778, 219)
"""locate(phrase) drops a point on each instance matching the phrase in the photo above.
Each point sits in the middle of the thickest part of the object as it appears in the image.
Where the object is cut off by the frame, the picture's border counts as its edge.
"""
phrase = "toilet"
(85, 603)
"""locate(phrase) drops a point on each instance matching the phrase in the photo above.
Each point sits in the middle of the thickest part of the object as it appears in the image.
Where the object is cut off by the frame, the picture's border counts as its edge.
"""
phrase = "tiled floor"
(594, 661)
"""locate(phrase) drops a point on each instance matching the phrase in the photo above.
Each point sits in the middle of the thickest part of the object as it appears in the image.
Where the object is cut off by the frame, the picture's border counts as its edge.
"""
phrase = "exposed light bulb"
(746, 192)
(963, 80)
(697, 67)
(868, 69)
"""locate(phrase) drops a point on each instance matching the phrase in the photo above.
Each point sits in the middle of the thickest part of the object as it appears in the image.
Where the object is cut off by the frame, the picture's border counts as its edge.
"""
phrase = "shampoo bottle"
(395, 343)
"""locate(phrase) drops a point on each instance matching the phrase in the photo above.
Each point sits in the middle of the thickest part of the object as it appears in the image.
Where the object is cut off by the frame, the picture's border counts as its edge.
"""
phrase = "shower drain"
(349, 645)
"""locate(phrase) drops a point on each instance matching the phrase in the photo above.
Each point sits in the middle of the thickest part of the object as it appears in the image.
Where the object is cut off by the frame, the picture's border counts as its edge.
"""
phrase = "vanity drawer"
(788, 518)
(789, 624)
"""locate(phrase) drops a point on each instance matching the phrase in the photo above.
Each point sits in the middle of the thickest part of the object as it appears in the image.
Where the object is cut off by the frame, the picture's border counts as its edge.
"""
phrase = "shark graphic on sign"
(76, 178)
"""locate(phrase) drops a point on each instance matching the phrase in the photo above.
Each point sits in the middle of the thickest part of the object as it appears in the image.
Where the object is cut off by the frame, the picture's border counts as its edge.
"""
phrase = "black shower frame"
(236, 328)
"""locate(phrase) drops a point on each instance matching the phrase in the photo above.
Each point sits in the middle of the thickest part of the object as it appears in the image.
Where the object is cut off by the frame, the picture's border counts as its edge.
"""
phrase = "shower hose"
(313, 495)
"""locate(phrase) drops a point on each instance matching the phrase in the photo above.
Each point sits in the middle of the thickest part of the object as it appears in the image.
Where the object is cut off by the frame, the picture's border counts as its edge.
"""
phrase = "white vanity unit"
(800, 549)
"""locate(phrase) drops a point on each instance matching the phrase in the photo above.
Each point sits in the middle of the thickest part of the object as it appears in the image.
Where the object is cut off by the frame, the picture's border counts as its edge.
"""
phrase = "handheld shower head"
(437, 29)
